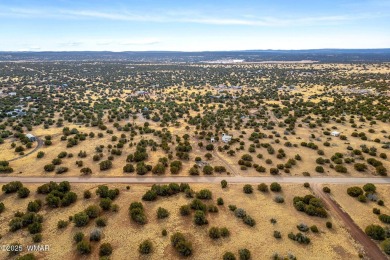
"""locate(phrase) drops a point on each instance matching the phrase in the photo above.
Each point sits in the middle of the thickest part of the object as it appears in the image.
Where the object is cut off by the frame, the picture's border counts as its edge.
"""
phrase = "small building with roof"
(31, 137)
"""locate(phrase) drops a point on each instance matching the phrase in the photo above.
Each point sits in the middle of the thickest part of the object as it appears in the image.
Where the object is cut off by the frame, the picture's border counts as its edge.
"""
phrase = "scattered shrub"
(95, 235)
(369, 187)
(145, 247)
(248, 189)
(204, 194)
(137, 214)
(275, 187)
(244, 254)
(303, 227)
(185, 210)
(314, 229)
(101, 222)
(78, 237)
(84, 247)
(105, 249)
(214, 233)
(384, 218)
(375, 232)
(181, 244)
(200, 218)
(299, 237)
(62, 224)
(23, 192)
(386, 246)
(81, 219)
(162, 213)
(229, 256)
(279, 199)
(354, 191)
(262, 187)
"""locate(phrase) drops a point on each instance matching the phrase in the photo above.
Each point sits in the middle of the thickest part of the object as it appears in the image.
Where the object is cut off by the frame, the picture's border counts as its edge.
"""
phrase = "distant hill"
(320, 55)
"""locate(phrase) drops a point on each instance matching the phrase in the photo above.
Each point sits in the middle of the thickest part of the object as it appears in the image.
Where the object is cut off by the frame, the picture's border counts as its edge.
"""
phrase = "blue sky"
(138, 25)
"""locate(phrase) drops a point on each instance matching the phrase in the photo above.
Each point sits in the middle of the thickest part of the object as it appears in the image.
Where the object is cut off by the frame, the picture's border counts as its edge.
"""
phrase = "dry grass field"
(125, 235)
(360, 212)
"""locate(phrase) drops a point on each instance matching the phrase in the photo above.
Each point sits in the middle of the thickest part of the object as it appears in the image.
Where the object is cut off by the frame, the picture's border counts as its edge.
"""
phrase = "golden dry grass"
(360, 212)
(125, 236)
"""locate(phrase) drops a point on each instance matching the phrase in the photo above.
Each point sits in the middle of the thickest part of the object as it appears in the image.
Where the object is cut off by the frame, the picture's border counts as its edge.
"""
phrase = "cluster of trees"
(380, 169)
(16, 186)
(84, 246)
(166, 190)
(5, 168)
(57, 195)
(244, 254)
(181, 244)
(311, 205)
(137, 213)
(215, 232)
(367, 193)
(379, 233)
(104, 192)
(31, 220)
(299, 237)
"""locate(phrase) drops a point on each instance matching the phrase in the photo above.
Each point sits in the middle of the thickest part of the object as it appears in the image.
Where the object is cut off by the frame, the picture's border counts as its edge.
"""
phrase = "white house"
(335, 133)
(226, 138)
(31, 137)
(212, 139)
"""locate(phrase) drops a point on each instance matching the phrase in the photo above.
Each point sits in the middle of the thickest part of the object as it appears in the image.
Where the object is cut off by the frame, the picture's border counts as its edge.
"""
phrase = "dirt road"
(226, 164)
(372, 251)
(39, 145)
(196, 179)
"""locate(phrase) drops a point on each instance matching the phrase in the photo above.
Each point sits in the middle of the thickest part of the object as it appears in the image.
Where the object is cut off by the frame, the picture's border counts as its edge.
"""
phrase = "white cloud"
(182, 17)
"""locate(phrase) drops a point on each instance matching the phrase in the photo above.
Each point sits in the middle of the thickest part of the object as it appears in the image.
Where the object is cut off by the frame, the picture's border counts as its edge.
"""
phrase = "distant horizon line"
(248, 50)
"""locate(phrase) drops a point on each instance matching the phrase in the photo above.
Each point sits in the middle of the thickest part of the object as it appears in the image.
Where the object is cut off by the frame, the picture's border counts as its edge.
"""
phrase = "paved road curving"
(372, 251)
(197, 179)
